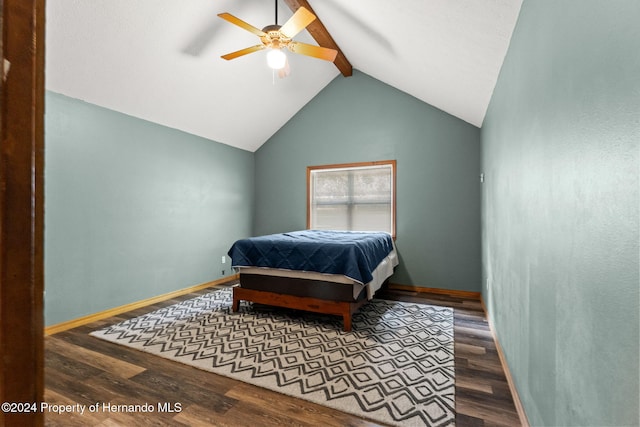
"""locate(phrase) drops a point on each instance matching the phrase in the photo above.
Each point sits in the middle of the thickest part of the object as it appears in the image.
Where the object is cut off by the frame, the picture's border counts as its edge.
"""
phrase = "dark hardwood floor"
(80, 369)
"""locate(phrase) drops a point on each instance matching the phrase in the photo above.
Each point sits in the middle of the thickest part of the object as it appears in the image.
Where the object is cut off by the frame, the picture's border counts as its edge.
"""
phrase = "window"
(353, 197)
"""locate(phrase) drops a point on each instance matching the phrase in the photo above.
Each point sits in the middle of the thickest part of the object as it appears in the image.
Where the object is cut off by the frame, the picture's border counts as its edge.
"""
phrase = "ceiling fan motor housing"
(276, 37)
(273, 38)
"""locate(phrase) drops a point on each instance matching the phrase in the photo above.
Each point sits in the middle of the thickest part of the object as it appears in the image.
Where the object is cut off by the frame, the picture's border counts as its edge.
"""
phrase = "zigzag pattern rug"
(395, 367)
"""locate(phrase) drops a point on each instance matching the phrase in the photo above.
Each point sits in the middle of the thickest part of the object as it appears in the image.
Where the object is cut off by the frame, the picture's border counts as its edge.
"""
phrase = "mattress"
(381, 273)
(354, 255)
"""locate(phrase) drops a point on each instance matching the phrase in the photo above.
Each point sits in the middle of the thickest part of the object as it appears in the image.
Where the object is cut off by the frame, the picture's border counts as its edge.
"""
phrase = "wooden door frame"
(22, 210)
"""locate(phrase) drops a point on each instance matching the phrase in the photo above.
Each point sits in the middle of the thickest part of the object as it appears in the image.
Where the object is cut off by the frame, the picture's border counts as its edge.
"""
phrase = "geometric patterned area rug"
(396, 366)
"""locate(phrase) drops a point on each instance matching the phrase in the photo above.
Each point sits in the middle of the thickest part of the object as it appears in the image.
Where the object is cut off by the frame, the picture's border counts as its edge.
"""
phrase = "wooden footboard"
(340, 308)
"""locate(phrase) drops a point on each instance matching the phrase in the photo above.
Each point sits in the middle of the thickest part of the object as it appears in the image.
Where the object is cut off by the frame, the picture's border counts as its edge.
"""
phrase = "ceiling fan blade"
(297, 22)
(240, 23)
(315, 51)
(236, 54)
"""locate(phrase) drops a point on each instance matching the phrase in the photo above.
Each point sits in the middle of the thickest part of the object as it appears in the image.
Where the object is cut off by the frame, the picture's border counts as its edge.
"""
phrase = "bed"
(330, 272)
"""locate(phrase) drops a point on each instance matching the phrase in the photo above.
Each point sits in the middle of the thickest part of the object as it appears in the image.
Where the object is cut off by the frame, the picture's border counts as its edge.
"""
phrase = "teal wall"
(133, 209)
(360, 119)
(560, 152)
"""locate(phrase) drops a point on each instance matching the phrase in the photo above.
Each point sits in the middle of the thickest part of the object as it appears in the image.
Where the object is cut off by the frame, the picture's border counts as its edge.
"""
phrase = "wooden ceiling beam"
(320, 34)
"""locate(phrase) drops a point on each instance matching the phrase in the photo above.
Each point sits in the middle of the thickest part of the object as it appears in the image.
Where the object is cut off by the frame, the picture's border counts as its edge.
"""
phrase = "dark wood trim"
(2, 77)
(393, 164)
(320, 34)
(22, 210)
(448, 292)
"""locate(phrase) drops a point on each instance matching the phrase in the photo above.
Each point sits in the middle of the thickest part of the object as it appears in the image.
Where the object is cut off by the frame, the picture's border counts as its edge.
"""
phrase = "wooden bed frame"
(324, 304)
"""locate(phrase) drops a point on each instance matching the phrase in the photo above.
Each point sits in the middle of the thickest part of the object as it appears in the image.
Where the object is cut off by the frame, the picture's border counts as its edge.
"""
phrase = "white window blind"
(354, 198)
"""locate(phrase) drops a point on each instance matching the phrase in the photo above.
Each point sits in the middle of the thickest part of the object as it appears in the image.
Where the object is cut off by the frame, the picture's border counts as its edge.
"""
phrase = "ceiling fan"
(276, 37)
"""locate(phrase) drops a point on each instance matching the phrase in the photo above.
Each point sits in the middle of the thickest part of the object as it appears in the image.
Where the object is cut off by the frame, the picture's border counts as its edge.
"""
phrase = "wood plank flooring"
(82, 370)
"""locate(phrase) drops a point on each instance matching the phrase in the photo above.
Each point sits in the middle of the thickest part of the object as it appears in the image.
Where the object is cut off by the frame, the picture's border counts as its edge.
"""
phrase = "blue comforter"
(352, 254)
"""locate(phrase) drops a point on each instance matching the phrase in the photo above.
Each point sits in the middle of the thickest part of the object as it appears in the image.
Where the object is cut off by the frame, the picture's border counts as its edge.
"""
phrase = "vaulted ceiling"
(159, 60)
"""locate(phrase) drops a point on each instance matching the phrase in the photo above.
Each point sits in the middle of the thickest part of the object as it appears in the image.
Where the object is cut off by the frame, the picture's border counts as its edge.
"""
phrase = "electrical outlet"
(224, 259)
(223, 272)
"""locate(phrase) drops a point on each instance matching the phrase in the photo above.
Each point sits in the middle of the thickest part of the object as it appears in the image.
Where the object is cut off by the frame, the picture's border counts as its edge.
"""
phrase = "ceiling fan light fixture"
(276, 59)
(275, 38)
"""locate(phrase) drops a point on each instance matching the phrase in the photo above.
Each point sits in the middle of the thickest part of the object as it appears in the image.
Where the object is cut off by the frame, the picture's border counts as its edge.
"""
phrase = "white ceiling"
(159, 60)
